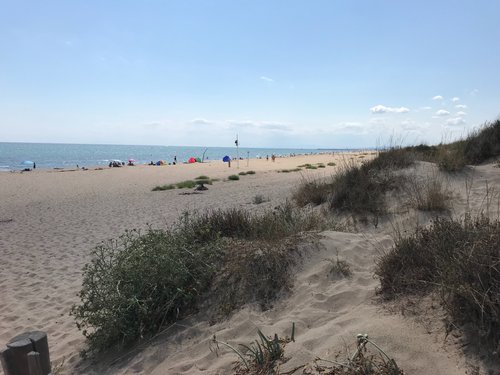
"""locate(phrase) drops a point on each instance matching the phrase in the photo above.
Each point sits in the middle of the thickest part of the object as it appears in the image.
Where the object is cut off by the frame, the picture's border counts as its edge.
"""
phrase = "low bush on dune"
(242, 173)
(163, 187)
(251, 172)
(358, 188)
(460, 261)
(135, 285)
(233, 177)
(188, 184)
(483, 143)
(428, 193)
(202, 177)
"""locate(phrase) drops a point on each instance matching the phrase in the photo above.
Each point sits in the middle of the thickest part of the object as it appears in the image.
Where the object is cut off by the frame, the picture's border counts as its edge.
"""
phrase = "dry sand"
(49, 222)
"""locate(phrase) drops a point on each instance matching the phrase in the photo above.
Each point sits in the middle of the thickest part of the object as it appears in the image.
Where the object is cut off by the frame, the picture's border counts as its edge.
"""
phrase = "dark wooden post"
(34, 365)
(15, 359)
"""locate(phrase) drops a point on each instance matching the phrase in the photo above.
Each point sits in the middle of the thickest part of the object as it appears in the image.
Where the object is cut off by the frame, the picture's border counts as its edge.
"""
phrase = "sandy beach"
(50, 221)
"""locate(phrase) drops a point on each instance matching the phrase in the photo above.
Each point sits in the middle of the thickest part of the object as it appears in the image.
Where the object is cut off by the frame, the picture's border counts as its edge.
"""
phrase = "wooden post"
(34, 365)
(15, 359)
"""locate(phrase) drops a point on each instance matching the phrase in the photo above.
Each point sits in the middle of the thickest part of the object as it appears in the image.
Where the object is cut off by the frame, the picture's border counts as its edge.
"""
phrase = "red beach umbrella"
(192, 160)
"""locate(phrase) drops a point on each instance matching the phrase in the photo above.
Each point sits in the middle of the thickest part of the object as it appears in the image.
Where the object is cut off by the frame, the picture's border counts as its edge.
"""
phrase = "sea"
(16, 156)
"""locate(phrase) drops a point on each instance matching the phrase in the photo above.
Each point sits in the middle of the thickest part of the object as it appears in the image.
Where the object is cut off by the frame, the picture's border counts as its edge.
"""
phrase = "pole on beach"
(237, 152)
(26, 354)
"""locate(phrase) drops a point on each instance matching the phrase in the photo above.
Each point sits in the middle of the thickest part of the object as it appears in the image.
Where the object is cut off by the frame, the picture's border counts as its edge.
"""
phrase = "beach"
(51, 220)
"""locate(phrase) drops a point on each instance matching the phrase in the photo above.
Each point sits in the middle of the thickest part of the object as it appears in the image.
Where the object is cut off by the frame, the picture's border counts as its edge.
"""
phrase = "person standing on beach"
(175, 159)
(34, 165)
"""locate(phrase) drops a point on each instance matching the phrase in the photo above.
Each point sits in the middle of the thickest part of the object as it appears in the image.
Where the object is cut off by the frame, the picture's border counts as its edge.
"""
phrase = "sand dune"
(49, 222)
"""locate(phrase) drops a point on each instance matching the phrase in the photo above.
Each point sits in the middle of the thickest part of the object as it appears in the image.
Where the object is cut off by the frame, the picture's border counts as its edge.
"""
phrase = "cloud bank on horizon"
(328, 74)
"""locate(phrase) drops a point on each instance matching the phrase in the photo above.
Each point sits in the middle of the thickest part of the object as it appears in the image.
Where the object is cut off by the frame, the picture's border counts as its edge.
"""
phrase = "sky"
(279, 73)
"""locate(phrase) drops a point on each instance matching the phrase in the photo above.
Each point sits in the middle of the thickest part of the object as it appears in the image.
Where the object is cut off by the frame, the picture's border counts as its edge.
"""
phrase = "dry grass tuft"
(459, 260)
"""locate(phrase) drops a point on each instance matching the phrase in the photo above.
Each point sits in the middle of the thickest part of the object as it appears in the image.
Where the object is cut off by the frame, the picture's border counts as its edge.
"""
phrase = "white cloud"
(461, 106)
(474, 92)
(201, 121)
(455, 99)
(383, 109)
(442, 112)
(455, 121)
(267, 79)
(437, 97)
(425, 108)
(461, 113)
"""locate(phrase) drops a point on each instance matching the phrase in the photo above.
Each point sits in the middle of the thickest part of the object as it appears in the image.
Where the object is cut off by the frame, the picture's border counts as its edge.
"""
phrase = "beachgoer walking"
(175, 159)
(273, 157)
(267, 157)
(34, 165)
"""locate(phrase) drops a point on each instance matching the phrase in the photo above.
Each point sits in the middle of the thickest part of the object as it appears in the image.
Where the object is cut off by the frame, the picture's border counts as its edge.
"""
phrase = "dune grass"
(164, 187)
(459, 260)
(135, 285)
(233, 177)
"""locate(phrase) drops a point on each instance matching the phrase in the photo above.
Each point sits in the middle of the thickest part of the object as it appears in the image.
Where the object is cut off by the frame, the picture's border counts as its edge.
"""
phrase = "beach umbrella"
(192, 160)
(27, 162)
(131, 160)
(226, 159)
(198, 160)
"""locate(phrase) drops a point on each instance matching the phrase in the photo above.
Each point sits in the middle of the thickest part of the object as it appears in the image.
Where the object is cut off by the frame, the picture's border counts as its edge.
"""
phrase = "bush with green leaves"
(136, 284)
(163, 187)
(233, 177)
(242, 173)
(251, 172)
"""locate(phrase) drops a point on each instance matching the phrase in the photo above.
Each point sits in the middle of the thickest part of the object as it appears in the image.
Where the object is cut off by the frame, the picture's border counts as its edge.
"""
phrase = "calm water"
(52, 155)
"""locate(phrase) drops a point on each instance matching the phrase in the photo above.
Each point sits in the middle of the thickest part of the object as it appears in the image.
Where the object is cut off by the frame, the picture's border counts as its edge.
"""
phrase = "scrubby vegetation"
(266, 355)
(233, 177)
(164, 187)
(258, 199)
(251, 172)
(136, 284)
(427, 193)
(460, 261)
(357, 188)
(289, 170)
(242, 173)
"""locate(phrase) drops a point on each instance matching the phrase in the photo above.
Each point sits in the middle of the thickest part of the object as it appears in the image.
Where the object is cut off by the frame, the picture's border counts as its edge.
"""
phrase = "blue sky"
(279, 73)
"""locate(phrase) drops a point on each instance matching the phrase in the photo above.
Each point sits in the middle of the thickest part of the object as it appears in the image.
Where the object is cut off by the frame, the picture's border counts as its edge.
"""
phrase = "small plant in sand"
(331, 164)
(259, 357)
(321, 165)
(311, 167)
(188, 184)
(289, 170)
(340, 268)
(251, 172)
(258, 199)
(202, 177)
(163, 187)
(233, 177)
(242, 173)
(360, 362)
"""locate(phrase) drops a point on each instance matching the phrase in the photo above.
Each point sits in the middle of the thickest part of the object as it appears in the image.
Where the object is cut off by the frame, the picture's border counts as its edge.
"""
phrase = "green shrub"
(460, 261)
(311, 167)
(321, 165)
(251, 172)
(242, 173)
(188, 184)
(202, 177)
(289, 170)
(135, 285)
(331, 164)
(233, 177)
(163, 187)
